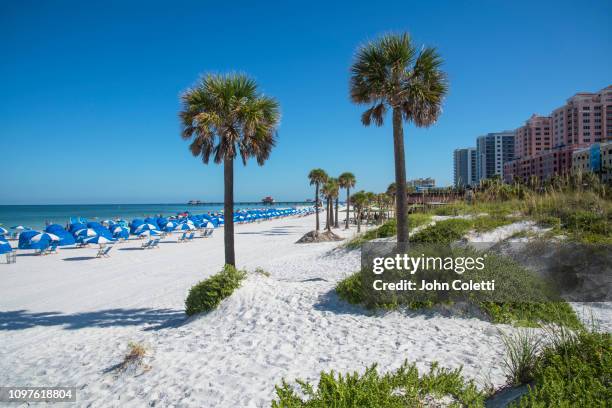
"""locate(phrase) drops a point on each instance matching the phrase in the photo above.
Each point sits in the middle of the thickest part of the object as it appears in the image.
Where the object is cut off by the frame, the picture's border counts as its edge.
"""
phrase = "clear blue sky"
(90, 90)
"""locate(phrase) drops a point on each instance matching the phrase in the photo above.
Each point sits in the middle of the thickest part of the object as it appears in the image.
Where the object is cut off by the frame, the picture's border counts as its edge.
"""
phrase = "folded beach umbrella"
(98, 239)
(144, 227)
(5, 247)
(161, 222)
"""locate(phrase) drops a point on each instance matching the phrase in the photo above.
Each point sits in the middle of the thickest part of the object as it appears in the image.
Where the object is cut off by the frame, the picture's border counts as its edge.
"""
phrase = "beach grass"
(403, 387)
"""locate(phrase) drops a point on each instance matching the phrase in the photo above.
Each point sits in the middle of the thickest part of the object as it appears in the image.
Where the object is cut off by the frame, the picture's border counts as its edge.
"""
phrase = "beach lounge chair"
(183, 237)
(52, 249)
(190, 237)
(11, 257)
(208, 232)
(154, 244)
(42, 250)
(146, 245)
(103, 252)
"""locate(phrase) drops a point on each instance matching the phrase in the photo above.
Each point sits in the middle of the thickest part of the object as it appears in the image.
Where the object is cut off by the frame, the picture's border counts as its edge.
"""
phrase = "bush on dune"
(573, 372)
(208, 294)
(401, 388)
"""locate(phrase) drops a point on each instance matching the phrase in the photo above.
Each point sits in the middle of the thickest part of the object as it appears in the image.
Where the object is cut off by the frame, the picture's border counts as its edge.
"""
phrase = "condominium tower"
(492, 151)
(465, 168)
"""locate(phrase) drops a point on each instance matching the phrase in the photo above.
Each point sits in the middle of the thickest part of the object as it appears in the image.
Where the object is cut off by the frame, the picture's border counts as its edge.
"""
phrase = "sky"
(89, 91)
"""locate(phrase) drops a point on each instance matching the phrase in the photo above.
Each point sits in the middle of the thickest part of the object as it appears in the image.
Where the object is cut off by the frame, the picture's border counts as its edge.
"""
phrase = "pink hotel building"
(544, 145)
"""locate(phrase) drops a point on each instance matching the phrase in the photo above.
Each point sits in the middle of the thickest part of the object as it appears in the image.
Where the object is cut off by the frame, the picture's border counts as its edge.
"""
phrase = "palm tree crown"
(224, 115)
(390, 72)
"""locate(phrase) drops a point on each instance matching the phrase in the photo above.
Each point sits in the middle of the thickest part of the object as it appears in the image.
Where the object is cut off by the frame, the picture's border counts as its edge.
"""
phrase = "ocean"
(37, 216)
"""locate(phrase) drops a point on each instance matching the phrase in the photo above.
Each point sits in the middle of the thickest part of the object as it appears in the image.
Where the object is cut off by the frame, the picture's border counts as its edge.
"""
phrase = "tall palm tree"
(317, 177)
(359, 201)
(330, 191)
(225, 116)
(391, 73)
(347, 180)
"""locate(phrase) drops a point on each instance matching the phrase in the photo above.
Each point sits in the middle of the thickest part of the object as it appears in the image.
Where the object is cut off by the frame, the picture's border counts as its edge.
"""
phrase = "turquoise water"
(36, 216)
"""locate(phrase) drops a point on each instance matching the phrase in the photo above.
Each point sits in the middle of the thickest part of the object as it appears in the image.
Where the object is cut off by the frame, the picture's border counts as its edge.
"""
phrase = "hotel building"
(585, 119)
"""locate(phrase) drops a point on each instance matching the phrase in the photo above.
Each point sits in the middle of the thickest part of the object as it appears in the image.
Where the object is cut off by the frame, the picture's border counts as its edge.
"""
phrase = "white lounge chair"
(146, 245)
(154, 244)
(183, 237)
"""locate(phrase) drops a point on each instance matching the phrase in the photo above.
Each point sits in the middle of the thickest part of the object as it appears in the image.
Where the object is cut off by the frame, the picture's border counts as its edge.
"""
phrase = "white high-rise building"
(492, 151)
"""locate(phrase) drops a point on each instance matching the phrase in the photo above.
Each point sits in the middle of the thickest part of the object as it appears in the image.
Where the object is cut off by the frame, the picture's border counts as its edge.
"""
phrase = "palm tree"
(390, 73)
(225, 116)
(359, 201)
(317, 177)
(347, 180)
(330, 191)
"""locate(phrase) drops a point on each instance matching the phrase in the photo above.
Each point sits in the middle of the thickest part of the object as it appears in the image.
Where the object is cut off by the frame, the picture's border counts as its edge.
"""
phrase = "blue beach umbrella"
(120, 232)
(144, 227)
(169, 226)
(5, 247)
(98, 239)
(3, 231)
(85, 232)
(65, 237)
(185, 226)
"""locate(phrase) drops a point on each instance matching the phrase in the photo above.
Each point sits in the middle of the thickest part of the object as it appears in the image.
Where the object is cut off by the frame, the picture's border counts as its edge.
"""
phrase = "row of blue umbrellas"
(81, 231)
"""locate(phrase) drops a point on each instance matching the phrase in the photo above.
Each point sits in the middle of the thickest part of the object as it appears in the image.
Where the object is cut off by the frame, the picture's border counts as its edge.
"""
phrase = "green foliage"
(522, 349)
(531, 314)
(350, 290)
(443, 232)
(208, 294)
(576, 372)
(489, 223)
(397, 389)
(582, 216)
(388, 229)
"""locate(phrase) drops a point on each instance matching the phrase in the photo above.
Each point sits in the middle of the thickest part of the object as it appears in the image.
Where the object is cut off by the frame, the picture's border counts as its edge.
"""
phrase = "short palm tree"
(359, 201)
(317, 177)
(347, 180)
(225, 116)
(392, 74)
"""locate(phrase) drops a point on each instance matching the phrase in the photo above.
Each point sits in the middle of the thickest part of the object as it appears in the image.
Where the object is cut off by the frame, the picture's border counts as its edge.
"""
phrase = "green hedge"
(207, 294)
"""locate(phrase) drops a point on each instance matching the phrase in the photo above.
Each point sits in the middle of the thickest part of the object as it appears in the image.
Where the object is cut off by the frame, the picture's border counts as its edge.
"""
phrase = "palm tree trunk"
(317, 205)
(400, 178)
(336, 216)
(330, 213)
(228, 211)
(358, 215)
(348, 206)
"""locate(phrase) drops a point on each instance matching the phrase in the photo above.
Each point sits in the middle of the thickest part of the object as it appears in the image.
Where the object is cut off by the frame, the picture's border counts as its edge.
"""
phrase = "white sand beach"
(67, 318)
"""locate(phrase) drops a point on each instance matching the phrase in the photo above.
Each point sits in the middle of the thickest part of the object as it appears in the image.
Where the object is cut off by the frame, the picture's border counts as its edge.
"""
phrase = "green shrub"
(489, 223)
(396, 389)
(207, 294)
(349, 289)
(443, 232)
(574, 373)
